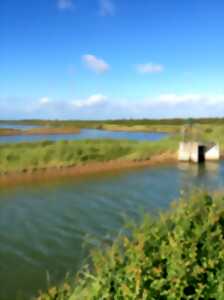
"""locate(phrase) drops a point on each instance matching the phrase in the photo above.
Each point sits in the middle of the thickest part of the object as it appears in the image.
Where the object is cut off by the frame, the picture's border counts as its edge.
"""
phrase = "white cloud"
(65, 4)
(150, 68)
(44, 100)
(92, 101)
(174, 99)
(107, 8)
(97, 65)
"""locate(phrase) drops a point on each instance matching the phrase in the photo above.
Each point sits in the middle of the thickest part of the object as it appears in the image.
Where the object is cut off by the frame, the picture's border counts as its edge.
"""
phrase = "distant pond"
(84, 134)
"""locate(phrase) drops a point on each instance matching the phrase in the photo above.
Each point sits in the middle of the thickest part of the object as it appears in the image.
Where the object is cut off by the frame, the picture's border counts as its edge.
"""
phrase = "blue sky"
(91, 59)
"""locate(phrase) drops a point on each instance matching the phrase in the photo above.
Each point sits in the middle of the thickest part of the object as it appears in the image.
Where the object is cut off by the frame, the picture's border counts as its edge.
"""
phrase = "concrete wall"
(189, 151)
(184, 152)
(195, 152)
(212, 153)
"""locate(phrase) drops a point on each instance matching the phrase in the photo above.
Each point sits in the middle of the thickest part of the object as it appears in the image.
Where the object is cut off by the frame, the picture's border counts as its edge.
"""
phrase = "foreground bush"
(178, 256)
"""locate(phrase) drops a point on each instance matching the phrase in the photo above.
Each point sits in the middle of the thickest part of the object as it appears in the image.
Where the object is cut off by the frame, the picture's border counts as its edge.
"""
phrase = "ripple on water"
(43, 226)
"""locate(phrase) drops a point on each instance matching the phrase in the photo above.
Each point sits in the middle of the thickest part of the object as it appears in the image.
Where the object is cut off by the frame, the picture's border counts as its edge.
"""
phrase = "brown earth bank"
(9, 132)
(73, 130)
(141, 128)
(39, 131)
(40, 175)
(51, 131)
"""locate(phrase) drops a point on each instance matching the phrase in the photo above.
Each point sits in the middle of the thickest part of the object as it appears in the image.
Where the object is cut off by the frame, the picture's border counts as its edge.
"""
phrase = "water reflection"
(200, 169)
(201, 175)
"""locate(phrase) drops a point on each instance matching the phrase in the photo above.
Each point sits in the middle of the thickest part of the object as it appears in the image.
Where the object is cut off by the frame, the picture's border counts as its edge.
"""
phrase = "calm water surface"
(86, 134)
(43, 226)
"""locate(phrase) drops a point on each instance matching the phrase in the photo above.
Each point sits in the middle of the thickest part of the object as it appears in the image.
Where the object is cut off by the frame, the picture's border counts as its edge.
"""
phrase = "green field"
(177, 256)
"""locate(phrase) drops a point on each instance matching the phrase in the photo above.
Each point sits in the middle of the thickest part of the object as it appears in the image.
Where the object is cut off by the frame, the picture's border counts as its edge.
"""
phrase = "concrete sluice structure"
(198, 152)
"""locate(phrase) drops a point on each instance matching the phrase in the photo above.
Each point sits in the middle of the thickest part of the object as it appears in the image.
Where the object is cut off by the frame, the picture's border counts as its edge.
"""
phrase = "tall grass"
(177, 256)
(31, 156)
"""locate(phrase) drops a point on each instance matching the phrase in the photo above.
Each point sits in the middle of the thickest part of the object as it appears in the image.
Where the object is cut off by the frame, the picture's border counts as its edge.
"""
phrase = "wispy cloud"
(65, 4)
(95, 64)
(189, 99)
(98, 106)
(44, 100)
(92, 101)
(171, 106)
(150, 68)
(107, 7)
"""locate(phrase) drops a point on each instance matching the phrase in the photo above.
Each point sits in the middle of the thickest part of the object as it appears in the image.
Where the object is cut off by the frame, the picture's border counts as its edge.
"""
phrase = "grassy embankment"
(33, 156)
(177, 256)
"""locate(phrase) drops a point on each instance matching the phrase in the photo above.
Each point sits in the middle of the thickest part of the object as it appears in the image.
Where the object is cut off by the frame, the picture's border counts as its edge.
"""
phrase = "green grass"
(216, 134)
(32, 156)
(179, 255)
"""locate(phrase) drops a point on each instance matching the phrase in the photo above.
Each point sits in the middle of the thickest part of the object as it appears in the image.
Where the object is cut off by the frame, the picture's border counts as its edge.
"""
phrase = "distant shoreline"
(51, 173)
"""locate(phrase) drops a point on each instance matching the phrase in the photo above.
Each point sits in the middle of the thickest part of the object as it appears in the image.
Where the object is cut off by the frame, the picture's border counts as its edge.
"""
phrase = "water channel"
(44, 226)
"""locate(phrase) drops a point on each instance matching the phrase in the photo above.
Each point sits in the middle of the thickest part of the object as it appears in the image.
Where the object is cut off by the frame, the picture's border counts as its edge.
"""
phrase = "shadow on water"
(43, 225)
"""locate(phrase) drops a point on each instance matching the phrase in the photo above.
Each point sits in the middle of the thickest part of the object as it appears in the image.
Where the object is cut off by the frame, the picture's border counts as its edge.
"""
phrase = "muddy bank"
(140, 128)
(10, 132)
(39, 131)
(13, 178)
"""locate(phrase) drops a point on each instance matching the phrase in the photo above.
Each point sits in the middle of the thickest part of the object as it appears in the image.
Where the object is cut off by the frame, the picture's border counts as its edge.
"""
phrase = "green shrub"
(177, 256)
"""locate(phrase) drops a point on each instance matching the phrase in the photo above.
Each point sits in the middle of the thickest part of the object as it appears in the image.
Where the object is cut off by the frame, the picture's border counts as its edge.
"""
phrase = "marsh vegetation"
(33, 156)
(177, 256)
